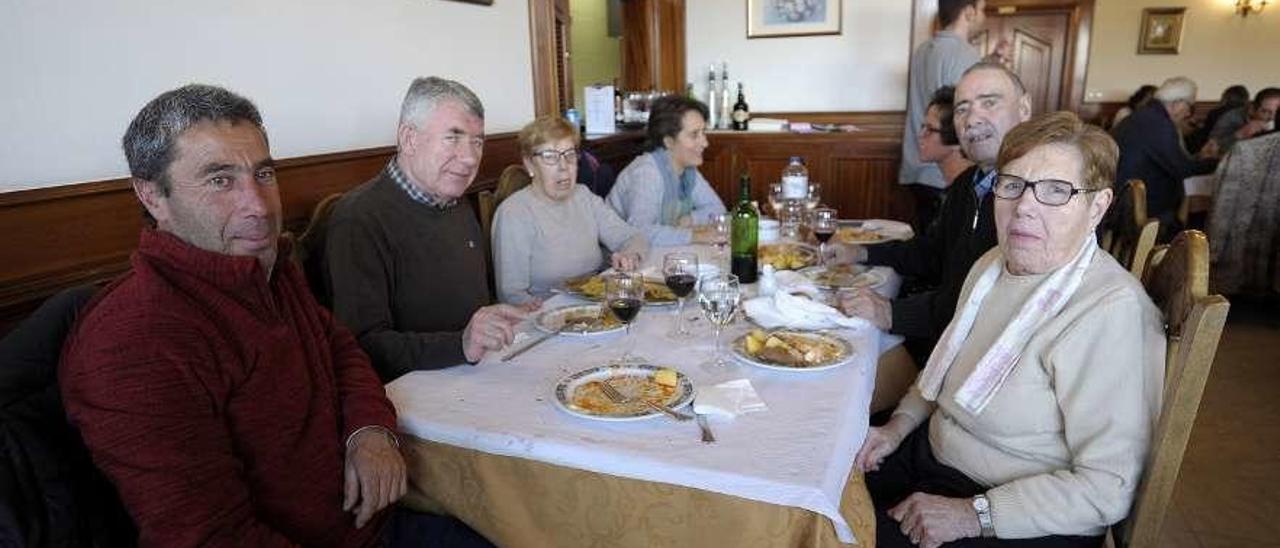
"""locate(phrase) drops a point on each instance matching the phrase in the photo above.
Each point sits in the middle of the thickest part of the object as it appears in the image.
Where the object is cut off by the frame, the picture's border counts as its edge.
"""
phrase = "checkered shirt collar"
(415, 193)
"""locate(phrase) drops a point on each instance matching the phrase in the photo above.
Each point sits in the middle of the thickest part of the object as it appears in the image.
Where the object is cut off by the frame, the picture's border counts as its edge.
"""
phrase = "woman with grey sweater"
(554, 228)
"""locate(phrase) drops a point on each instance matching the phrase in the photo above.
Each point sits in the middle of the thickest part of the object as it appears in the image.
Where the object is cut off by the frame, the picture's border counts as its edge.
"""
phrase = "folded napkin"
(786, 310)
(728, 399)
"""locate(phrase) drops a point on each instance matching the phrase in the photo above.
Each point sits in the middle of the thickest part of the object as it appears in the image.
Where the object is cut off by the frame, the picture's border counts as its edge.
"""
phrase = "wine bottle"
(745, 236)
(740, 111)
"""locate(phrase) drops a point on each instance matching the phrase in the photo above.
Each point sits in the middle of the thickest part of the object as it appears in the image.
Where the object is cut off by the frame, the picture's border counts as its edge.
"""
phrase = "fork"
(617, 397)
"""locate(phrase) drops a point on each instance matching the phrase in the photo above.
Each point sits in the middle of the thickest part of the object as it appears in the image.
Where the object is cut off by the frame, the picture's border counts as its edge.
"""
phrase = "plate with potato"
(580, 393)
(578, 319)
(789, 350)
(787, 256)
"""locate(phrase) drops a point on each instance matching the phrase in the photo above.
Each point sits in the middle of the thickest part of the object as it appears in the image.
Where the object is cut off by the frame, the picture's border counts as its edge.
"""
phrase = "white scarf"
(994, 367)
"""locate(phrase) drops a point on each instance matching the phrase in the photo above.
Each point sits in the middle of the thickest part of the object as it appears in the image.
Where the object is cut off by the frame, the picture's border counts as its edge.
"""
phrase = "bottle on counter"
(741, 114)
(745, 235)
(725, 109)
(712, 97)
(617, 103)
(795, 180)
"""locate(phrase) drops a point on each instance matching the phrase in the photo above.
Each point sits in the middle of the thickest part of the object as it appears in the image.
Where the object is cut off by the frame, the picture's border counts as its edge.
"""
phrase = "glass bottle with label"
(741, 114)
(746, 233)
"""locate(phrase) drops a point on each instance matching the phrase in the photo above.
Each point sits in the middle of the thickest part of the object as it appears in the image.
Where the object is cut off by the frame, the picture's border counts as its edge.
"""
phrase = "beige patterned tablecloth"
(517, 502)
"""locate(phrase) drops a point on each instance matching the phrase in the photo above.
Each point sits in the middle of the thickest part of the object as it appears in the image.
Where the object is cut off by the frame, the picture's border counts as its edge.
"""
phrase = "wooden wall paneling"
(75, 234)
(542, 37)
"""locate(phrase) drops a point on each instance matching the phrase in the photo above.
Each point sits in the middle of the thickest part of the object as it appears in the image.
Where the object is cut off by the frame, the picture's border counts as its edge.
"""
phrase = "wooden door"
(1038, 46)
(653, 45)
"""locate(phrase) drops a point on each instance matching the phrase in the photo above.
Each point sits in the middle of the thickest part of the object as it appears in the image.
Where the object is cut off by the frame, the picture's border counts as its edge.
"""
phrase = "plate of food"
(845, 276)
(872, 232)
(578, 319)
(791, 350)
(580, 393)
(788, 256)
(656, 292)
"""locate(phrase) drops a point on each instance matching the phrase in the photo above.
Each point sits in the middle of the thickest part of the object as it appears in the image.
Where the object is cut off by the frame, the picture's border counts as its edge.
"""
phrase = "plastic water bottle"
(573, 117)
(795, 180)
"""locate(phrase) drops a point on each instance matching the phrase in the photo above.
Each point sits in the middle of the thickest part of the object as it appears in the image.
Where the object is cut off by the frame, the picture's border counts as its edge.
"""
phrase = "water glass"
(719, 296)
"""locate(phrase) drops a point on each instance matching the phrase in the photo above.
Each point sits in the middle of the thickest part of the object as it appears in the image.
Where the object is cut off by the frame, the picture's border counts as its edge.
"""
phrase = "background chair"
(1133, 234)
(50, 492)
(309, 251)
(1177, 281)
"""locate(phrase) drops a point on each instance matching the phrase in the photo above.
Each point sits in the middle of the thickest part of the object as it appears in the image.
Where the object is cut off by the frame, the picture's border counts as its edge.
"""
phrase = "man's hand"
(373, 475)
(625, 262)
(931, 521)
(868, 305)
(491, 328)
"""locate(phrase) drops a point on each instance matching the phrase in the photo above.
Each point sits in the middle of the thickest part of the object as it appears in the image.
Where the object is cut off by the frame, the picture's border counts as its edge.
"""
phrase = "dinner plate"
(843, 355)
(579, 287)
(787, 256)
(579, 393)
(551, 321)
(863, 278)
(872, 231)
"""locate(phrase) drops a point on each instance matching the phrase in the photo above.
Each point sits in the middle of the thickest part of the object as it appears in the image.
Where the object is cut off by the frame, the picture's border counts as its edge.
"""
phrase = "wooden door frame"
(1079, 31)
(542, 41)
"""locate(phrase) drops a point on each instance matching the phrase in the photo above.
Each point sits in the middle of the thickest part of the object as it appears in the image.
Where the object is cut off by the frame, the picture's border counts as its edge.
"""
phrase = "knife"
(526, 347)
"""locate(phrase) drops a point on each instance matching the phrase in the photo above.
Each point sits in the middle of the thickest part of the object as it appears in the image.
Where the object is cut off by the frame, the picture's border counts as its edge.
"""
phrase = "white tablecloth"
(798, 453)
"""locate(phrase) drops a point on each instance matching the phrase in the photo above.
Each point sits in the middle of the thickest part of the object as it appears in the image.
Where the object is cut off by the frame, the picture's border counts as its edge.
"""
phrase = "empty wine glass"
(680, 271)
(624, 295)
(814, 197)
(825, 222)
(776, 199)
(723, 224)
(718, 295)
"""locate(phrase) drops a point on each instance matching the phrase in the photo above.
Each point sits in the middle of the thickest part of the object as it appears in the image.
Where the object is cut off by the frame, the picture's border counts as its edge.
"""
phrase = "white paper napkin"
(728, 399)
(786, 310)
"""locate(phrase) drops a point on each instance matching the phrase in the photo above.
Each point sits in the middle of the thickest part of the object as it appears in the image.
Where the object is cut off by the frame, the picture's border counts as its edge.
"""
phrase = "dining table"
(491, 445)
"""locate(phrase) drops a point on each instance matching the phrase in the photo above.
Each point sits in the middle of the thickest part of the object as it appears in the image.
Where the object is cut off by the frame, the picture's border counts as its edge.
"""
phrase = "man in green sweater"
(404, 257)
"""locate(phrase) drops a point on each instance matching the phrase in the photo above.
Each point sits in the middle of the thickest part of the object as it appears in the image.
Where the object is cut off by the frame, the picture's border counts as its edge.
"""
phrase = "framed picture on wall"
(481, 2)
(779, 18)
(1161, 31)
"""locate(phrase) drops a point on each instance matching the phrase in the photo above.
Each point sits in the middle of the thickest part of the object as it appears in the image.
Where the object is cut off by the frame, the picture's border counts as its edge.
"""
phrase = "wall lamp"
(1246, 7)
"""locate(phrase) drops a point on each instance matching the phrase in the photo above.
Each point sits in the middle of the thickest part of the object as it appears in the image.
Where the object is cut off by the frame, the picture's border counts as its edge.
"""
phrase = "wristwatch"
(983, 507)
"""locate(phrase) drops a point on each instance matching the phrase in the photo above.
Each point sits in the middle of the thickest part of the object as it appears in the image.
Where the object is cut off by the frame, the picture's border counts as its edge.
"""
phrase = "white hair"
(425, 94)
(1178, 88)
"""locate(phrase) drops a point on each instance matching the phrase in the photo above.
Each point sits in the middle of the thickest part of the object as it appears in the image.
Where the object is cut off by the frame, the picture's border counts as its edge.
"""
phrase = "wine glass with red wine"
(825, 222)
(624, 295)
(681, 273)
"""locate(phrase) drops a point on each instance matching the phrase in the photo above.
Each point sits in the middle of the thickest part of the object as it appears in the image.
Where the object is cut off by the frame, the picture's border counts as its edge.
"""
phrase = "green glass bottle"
(746, 234)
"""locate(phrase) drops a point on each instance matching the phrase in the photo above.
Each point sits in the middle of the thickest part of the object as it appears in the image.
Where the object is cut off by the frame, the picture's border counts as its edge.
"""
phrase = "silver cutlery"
(707, 436)
(526, 347)
(617, 397)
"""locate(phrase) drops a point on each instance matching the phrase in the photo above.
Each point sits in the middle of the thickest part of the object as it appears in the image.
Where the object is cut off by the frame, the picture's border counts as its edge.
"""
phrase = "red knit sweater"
(218, 402)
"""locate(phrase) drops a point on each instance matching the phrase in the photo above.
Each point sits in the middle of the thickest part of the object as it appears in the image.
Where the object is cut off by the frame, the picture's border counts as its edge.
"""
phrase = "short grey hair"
(1178, 88)
(998, 67)
(149, 142)
(425, 94)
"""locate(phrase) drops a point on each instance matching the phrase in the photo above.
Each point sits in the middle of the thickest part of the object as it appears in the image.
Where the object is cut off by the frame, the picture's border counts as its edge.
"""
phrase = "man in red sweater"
(225, 404)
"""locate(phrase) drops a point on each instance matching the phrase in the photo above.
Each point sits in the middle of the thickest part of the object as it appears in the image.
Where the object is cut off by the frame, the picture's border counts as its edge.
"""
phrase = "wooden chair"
(1130, 241)
(309, 251)
(513, 178)
(1177, 281)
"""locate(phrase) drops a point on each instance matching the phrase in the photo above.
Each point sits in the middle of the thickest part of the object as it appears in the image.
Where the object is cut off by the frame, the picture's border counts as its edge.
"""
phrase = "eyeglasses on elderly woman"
(1050, 192)
(550, 158)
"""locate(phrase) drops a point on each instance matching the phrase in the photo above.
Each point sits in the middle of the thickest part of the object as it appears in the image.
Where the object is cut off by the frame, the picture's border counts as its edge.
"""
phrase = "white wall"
(862, 68)
(1219, 49)
(327, 74)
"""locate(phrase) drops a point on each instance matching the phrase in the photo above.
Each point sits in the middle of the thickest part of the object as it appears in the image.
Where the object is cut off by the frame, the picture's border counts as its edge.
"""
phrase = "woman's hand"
(931, 521)
(625, 262)
(879, 444)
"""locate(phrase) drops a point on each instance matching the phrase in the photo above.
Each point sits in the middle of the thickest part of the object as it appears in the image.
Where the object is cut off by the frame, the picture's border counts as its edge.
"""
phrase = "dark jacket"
(50, 492)
(939, 259)
(1151, 150)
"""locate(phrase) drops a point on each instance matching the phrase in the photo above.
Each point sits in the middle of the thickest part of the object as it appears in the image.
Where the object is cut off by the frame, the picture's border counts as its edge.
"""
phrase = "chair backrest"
(309, 251)
(513, 178)
(1177, 281)
(1134, 234)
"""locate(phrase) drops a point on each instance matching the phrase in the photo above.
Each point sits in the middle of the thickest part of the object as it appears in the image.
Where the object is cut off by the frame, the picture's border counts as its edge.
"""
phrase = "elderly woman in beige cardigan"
(1031, 422)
